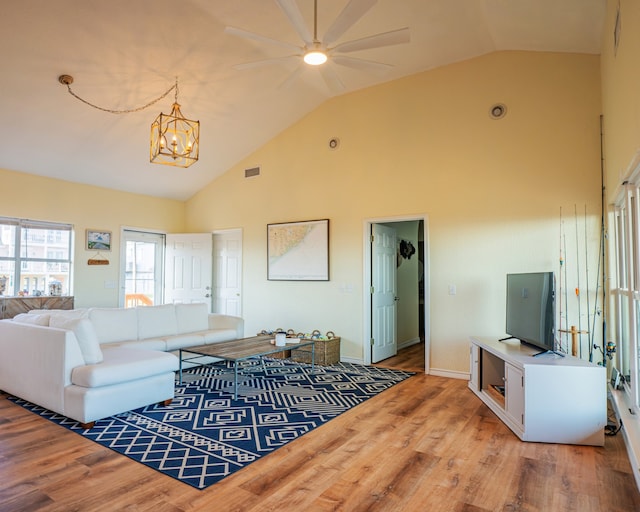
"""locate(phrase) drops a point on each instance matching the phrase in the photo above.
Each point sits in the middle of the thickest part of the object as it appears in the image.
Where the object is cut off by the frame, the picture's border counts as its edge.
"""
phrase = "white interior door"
(383, 293)
(188, 268)
(227, 272)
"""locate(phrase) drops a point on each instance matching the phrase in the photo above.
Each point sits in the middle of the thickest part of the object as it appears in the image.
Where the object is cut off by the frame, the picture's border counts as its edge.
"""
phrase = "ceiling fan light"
(315, 57)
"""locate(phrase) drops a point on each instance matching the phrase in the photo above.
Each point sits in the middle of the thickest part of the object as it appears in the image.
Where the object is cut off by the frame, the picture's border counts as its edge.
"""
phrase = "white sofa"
(93, 363)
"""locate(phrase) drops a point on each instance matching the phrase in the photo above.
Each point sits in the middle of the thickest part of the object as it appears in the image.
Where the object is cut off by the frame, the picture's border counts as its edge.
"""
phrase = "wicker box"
(326, 352)
(285, 354)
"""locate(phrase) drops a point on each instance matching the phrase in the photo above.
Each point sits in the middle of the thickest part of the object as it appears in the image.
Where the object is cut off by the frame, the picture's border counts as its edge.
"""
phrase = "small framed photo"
(98, 240)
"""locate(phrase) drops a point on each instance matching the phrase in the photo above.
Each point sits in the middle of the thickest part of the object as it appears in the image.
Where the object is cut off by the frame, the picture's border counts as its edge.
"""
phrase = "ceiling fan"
(319, 52)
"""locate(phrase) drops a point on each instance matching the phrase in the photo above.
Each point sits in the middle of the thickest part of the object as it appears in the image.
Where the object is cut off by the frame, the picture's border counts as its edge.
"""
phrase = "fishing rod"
(566, 293)
(575, 211)
(592, 344)
(603, 245)
(560, 280)
(586, 270)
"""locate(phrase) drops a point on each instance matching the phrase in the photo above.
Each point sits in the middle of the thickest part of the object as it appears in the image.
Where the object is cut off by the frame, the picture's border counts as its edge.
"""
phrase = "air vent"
(254, 171)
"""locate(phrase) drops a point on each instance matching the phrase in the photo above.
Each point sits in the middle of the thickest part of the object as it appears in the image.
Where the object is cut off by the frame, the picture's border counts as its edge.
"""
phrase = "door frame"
(366, 289)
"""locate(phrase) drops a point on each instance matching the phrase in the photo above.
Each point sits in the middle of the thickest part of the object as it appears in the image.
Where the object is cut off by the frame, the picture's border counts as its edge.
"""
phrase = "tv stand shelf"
(547, 399)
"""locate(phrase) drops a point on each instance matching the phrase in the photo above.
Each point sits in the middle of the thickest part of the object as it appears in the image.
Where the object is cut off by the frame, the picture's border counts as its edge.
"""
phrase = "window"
(625, 289)
(35, 257)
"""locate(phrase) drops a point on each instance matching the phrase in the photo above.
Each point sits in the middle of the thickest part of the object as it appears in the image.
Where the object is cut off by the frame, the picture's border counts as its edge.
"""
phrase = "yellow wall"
(31, 197)
(423, 145)
(492, 191)
(620, 96)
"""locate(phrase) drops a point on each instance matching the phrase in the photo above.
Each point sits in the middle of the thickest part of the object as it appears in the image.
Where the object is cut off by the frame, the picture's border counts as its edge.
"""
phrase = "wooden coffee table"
(241, 350)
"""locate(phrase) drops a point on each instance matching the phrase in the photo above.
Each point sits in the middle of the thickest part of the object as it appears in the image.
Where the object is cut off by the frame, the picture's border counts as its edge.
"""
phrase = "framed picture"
(98, 240)
(298, 251)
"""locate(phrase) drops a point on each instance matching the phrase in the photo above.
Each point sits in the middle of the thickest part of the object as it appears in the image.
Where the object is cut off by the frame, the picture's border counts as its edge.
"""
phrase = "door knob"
(207, 295)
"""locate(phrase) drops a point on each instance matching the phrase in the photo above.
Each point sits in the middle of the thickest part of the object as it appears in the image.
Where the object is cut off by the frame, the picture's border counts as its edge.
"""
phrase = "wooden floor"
(427, 444)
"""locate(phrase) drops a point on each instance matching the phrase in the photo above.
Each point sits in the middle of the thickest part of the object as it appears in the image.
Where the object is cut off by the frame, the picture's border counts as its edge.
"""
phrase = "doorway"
(142, 274)
(412, 297)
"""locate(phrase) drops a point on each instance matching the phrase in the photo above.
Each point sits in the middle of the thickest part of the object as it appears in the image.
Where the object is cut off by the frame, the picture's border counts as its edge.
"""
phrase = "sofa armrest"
(36, 362)
(219, 321)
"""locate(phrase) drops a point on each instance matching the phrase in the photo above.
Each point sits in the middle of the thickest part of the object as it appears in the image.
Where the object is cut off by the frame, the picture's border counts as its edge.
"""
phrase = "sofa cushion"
(192, 317)
(26, 318)
(114, 324)
(155, 321)
(183, 341)
(216, 335)
(85, 334)
(68, 313)
(149, 343)
(124, 364)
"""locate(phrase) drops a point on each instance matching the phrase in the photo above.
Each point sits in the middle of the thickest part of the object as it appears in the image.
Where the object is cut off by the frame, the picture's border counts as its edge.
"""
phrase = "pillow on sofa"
(156, 321)
(85, 334)
(114, 324)
(26, 318)
(192, 317)
(69, 313)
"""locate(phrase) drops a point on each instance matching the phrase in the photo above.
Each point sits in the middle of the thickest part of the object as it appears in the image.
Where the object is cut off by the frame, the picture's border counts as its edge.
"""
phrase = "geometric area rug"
(205, 435)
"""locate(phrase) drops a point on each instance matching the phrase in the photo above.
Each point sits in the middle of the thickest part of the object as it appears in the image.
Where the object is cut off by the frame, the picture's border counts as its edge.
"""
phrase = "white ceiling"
(124, 53)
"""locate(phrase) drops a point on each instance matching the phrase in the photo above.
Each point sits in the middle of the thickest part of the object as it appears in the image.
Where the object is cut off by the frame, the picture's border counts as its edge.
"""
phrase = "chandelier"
(175, 140)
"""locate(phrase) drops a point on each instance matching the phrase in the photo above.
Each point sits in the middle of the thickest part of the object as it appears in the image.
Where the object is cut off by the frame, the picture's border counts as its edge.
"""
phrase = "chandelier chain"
(129, 110)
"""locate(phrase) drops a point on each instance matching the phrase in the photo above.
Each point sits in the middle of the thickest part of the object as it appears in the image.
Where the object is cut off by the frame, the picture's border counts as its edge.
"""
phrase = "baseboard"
(623, 407)
(408, 343)
(451, 374)
(354, 360)
(351, 360)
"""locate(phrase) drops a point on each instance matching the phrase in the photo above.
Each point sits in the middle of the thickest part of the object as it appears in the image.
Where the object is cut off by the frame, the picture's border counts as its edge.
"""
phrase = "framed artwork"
(298, 251)
(98, 240)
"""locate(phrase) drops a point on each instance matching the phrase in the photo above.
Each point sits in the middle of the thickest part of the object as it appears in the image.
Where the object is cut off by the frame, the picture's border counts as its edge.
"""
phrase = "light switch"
(452, 289)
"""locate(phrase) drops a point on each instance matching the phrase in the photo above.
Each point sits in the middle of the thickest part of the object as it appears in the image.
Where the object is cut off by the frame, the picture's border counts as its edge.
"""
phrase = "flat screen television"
(531, 309)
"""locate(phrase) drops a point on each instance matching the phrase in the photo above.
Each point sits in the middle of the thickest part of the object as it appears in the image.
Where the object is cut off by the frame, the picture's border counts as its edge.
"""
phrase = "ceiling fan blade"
(352, 12)
(264, 62)
(332, 79)
(290, 8)
(257, 37)
(361, 64)
(290, 79)
(400, 36)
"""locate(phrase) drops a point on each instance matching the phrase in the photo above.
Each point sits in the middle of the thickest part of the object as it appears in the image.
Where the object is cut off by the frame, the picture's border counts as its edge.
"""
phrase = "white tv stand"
(547, 399)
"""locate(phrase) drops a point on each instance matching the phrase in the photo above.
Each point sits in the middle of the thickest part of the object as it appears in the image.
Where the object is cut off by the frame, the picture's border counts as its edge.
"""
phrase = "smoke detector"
(498, 111)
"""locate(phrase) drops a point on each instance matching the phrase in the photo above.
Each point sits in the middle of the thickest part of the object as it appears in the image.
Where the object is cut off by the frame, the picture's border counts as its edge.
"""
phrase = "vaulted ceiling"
(123, 54)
